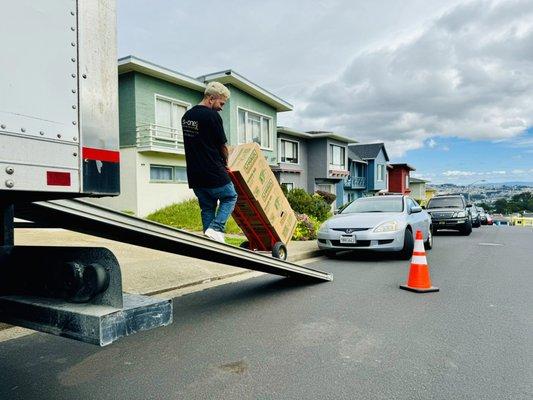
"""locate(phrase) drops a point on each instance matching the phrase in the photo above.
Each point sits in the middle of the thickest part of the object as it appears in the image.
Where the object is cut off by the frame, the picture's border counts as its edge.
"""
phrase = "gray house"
(315, 160)
(376, 169)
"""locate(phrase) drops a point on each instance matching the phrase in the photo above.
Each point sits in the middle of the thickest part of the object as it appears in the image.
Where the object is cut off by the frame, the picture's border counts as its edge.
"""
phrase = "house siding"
(299, 179)
(146, 87)
(126, 109)
(317, 150)
(372, 172)
(242, 99)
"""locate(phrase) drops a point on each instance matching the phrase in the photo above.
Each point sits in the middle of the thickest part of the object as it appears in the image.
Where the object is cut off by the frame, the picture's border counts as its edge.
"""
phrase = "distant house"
(399, 178)
(376, 157)
(152, 100)
(312, 161)
(418, 188)
(355, 184)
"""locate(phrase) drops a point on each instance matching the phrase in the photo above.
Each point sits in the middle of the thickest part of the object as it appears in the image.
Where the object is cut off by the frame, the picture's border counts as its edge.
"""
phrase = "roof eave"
(130, 63)
(240, 82)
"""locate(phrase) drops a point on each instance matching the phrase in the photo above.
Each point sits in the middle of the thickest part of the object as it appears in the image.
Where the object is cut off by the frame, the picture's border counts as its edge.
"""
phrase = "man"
(207, 159)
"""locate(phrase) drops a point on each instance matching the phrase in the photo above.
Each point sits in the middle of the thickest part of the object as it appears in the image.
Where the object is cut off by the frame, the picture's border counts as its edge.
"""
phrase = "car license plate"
(347, 239)
(442, 222)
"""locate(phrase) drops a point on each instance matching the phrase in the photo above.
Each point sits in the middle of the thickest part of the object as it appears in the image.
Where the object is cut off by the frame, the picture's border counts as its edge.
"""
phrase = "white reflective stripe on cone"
(420, 260)
(419, 245)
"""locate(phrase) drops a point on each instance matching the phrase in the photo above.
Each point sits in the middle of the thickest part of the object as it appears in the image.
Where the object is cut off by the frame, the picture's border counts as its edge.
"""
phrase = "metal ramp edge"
(85, 217)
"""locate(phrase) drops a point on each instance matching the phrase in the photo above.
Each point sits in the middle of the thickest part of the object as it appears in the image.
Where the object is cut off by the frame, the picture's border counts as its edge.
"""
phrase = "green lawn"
(186, 215)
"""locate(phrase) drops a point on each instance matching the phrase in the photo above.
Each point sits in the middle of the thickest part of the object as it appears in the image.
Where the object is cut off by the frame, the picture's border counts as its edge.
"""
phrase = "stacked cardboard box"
(261, 206)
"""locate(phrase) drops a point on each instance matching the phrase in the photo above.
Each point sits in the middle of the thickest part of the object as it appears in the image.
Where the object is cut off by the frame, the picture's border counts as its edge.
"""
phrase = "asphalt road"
(359, 337)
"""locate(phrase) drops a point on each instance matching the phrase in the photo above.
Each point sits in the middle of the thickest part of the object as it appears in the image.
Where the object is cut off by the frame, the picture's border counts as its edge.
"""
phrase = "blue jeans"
(208, 197)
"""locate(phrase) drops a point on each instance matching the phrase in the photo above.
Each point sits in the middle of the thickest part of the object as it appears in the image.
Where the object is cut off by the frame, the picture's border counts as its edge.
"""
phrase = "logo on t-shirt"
(190, 127)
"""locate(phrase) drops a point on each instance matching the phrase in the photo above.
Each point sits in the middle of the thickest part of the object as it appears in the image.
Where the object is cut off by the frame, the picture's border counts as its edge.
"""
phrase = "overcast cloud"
(468, 74)
(407, 73)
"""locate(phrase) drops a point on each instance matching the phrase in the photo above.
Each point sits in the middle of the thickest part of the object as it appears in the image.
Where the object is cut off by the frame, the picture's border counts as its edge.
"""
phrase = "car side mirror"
(335, 212)
(416, 210)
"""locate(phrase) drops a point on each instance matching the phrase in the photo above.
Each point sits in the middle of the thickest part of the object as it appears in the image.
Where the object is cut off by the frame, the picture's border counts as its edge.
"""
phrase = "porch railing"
(355, 182)
(152, 137)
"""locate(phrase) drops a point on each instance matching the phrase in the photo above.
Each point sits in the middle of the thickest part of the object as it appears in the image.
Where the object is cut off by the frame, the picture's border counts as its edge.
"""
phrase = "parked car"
(490, 221)
(482, 216)
(475, 214)
(381, 223)
(450, 212)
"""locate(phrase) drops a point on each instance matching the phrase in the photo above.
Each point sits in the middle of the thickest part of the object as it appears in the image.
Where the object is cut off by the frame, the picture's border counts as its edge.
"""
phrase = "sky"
(447, 85)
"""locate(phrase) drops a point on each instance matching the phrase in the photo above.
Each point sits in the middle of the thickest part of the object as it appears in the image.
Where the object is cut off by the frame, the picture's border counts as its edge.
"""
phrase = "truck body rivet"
(23, 129)
(73, 90)
(72, 28)
(72, 13)
(73, 59)
(10, 170)
(75, 138)
(74, 122)
(84, 76)
(10, 183)
(74, 106)
(41, 133)
(3, 126)
(59, 136)
(73, 75)
(73, 44)
(75, 154)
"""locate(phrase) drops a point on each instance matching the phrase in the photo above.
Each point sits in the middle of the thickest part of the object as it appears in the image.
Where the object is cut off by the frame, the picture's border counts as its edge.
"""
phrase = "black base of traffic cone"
(417, 290)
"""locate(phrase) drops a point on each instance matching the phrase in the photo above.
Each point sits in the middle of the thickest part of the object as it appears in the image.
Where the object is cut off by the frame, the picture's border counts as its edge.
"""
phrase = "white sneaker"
(214, 235)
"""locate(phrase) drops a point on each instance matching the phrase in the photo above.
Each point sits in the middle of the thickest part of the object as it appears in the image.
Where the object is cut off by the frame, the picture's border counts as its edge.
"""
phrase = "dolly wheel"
(245, 245)
(279, 251)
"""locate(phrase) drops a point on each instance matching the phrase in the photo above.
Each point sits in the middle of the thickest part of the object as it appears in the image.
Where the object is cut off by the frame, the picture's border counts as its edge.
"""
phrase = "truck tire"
(279, 251)
(408, 245)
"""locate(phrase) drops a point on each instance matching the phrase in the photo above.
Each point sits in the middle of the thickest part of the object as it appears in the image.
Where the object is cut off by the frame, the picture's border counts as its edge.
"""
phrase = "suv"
(450, 212)
(475, 213)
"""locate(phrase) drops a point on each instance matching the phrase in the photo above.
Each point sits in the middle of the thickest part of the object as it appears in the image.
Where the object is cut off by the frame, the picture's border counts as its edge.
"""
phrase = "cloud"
(468, 74)
(431, 143)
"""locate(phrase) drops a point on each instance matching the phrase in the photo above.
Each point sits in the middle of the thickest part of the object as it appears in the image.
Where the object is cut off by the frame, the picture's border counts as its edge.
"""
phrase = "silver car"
(380, 223)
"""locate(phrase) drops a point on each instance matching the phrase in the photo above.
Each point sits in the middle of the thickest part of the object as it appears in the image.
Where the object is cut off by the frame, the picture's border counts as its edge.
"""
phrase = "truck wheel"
(279, 251)
(408, 245)
(245, 245)
(428, 244)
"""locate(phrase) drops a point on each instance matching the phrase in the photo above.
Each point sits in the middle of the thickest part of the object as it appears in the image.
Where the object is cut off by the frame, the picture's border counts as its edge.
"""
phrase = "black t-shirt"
(203, 137)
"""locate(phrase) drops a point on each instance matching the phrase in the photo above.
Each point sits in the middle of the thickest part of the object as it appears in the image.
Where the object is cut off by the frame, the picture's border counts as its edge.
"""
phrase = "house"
(355, 183)
(376, 157)
(152, 100)
(418, 189)
(315, 160)
(399, 178)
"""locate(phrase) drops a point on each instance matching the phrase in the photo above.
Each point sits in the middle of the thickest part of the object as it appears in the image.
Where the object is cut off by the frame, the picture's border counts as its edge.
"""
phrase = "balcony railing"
(355, 182)
(152, 137)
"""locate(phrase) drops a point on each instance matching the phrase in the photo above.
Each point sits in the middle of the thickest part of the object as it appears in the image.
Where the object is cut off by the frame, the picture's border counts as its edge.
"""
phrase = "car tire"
(467, 229)
(330, 253)
(408, 245)
(428, 244)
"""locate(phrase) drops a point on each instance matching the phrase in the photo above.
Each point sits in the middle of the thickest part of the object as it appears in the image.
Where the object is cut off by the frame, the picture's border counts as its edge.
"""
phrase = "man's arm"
(225, 153)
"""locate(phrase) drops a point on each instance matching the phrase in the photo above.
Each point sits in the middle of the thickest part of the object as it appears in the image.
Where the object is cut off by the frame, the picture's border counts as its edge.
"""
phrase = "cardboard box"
(259, 193)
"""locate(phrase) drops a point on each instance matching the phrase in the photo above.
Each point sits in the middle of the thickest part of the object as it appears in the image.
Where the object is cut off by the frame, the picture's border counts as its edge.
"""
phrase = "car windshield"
(375, 204)
(446, 202)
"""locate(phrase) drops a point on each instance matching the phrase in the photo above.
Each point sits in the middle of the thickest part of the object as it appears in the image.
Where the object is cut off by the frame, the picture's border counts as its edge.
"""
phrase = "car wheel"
(467, 229)
(428, 244)
(408, 245)
(330, 253)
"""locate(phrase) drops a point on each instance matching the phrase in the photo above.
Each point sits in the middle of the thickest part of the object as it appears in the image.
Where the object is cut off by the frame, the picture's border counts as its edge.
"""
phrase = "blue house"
(375, 170)
(354, 186)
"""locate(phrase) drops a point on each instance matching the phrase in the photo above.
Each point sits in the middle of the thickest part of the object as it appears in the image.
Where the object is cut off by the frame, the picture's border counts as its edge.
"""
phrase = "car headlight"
(323, 227)
(389, 226)
(460, 214)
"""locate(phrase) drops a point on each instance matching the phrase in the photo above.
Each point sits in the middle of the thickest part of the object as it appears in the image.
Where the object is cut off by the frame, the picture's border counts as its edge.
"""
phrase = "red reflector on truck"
(89, 153)
(57, 178)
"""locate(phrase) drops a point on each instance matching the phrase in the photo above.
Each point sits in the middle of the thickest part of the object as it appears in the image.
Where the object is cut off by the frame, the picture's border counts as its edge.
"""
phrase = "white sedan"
(380, 223)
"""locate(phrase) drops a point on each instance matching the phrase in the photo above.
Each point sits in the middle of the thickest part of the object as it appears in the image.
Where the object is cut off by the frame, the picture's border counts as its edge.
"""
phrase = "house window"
(168, 115)
(325, 188)
(288, 186)
(337, 155)
(253, 127)
(381, 172)
(168, 173)
(406, 181)
(288, 151)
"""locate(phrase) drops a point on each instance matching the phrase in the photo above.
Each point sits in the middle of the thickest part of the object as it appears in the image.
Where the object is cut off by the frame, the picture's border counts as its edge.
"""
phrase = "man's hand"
(225, 154)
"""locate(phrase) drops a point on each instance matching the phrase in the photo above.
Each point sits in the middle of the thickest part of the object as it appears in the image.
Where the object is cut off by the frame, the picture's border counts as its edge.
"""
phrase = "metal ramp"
(85, 217)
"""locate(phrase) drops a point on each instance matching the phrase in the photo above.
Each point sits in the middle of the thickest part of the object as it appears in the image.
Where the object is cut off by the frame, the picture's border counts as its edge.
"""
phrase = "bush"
(303, 203)
(327, 196)
(306, 228)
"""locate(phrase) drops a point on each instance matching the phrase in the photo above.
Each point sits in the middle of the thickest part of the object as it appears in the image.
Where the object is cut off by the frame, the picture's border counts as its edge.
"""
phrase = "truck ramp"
(85, 217)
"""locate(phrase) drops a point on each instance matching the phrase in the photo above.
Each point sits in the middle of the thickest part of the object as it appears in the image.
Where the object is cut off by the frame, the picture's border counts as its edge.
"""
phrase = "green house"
(152, 100)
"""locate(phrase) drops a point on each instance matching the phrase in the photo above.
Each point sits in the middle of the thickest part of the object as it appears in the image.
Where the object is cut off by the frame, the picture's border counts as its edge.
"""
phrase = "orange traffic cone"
(419, 280)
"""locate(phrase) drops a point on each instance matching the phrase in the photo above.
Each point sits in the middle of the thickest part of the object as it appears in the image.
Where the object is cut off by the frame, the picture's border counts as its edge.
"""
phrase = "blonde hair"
(216, 89)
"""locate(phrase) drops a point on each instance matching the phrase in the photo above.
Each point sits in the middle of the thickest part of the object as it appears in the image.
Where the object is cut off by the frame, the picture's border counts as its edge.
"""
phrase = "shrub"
(303, 203)
(327, 196)
(306, 228)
